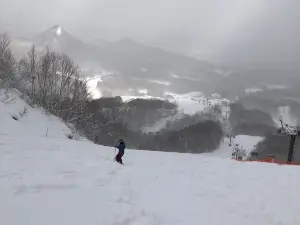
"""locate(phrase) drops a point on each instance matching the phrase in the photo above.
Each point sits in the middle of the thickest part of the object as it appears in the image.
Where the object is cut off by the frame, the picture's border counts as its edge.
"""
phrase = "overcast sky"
(232, 30)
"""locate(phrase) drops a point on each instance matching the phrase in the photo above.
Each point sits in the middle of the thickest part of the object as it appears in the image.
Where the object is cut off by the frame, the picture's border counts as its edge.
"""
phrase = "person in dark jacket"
(121, 146)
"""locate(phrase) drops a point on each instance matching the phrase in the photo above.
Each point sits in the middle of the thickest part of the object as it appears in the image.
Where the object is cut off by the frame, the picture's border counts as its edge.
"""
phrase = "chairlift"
(254, 154)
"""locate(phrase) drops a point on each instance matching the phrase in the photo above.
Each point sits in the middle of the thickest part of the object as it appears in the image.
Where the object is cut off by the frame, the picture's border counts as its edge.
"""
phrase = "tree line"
(53, 81)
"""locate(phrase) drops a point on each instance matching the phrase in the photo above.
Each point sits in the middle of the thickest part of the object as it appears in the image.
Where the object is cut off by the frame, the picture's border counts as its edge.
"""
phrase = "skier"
(121, 146)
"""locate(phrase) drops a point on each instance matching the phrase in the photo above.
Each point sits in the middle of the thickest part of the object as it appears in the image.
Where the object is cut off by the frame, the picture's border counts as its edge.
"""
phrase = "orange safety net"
(269, 160)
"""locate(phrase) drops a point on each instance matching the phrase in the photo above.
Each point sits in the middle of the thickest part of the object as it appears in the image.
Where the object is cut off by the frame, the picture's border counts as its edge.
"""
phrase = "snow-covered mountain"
(49, 179)
(126, 56)
(56, 38)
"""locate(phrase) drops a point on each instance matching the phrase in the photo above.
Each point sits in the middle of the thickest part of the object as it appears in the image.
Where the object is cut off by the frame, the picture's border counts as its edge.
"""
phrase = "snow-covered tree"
(239, 152)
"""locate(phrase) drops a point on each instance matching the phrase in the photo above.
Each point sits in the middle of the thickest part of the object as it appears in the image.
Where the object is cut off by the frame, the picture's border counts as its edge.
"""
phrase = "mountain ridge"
(125, 55)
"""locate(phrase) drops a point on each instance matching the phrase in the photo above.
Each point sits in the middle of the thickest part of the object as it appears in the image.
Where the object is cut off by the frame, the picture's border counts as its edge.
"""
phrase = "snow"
(276, 87)
(92, 83)
(263, 87)
(143, 91)
(175, 76)
(165, 83)
(35, 123)
(194, 102)
(244, 141)
(53, 180)
(253, 90)
(189, 104)
(58, 31)
(132, 97)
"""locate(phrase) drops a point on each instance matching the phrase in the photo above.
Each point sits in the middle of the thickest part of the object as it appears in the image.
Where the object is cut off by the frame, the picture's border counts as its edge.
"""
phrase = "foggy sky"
(221, 30)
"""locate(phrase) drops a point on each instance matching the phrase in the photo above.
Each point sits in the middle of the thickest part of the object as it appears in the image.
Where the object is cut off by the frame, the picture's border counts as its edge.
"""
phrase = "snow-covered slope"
(245, 142)
(35, 123)
(63, 182)
(50, 180)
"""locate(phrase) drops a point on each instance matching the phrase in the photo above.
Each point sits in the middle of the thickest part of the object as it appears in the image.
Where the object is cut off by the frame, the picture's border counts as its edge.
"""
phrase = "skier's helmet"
(121, 140)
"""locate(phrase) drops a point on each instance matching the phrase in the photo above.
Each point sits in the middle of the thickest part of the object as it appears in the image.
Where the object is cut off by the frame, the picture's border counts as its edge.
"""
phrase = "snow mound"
(19, 118)
(63, 182)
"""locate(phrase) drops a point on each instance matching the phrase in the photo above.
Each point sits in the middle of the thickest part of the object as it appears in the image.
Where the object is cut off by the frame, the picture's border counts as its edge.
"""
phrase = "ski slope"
(52, 180)
(245, 142)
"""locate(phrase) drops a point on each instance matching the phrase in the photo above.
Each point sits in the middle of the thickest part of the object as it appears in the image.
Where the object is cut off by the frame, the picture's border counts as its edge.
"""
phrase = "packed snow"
(53, 180)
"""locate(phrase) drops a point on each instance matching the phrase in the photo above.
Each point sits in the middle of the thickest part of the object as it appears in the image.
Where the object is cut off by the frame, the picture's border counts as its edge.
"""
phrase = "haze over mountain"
(245, 51)
(124, 56)
(217, 78)
(137, 65)
(225, 31)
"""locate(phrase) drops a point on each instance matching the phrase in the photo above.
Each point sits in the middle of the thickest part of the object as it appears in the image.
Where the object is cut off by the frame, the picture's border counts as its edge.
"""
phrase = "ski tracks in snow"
(44, 182)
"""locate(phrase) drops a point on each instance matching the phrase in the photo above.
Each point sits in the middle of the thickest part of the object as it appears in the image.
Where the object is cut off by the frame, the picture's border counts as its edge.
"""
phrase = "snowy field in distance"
(189, 104)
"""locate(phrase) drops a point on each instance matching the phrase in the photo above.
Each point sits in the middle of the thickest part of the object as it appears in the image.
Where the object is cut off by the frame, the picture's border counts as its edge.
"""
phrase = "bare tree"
(7, 62)
(6, 98)
(24, 112)
(55, 83)
(28, 67)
